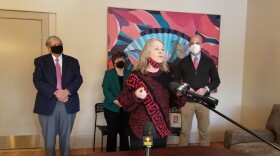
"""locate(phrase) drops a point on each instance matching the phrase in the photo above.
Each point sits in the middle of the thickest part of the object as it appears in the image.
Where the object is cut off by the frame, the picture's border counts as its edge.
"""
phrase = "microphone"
(148, 133)
(184, 89)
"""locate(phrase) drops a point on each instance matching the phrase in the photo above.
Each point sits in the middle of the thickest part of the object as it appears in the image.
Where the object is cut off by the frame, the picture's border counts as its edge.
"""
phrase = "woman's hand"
(117, 103)
(141, 93)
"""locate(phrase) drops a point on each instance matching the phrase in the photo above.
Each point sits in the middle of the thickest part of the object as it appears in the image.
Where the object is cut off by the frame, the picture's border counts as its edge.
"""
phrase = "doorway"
(22, 36)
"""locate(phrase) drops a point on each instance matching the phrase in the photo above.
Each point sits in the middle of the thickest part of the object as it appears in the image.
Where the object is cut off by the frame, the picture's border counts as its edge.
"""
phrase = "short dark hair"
(116, 55)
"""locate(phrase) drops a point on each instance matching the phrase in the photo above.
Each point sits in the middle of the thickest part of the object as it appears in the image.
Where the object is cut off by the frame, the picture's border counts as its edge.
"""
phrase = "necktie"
(58, 74)
(195, 63)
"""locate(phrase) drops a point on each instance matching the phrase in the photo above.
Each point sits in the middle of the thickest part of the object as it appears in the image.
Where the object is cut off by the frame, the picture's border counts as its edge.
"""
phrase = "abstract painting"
(129, 29)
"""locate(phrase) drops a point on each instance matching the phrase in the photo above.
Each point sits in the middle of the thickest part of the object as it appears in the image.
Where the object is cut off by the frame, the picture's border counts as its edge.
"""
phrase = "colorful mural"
(129, 29)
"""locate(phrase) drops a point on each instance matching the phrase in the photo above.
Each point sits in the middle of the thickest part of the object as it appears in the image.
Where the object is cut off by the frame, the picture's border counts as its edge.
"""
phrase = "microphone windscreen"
(173, 86)
(149, 129)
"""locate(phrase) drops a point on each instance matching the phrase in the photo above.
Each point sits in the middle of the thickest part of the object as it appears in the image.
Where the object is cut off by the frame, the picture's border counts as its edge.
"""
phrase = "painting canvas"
(129, 29)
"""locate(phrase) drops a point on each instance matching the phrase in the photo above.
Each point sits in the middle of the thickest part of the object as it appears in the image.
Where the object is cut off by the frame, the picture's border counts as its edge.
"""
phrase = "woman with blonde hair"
(145, 59)
(147, 95)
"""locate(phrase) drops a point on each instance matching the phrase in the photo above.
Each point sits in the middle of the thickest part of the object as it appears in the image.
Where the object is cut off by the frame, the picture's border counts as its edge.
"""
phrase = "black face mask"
(120, 64)
(57, 49)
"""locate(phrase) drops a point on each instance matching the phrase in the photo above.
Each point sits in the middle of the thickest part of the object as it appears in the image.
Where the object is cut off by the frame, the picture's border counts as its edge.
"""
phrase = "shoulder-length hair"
(143, 62)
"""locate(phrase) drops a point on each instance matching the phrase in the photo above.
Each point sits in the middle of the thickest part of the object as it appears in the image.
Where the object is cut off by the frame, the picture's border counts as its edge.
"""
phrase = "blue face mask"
(57, 49)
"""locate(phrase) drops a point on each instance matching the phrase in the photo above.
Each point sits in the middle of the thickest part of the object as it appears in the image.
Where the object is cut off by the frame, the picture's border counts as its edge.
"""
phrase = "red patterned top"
(154, 108)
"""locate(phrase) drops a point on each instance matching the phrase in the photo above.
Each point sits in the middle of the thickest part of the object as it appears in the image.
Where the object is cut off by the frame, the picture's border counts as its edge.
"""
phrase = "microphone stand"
(234, 122)
(148, 150)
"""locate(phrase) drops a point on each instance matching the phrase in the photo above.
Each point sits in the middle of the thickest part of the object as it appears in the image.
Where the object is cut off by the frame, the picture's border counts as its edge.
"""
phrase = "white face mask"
(195, 48)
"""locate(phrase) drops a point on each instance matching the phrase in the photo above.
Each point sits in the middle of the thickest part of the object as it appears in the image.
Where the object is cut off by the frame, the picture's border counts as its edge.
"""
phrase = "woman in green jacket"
(116, 118)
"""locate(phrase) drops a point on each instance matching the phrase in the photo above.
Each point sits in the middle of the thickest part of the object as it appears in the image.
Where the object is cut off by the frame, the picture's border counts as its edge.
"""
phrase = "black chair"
(175, 131)
(98, 108)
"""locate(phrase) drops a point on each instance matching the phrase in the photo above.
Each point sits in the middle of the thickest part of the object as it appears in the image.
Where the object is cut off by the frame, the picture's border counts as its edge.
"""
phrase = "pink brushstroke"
(146, 18)
(113, 31)
(206, 27)
(131, 30)
(181, 22)
(128, 16)
(213, 48)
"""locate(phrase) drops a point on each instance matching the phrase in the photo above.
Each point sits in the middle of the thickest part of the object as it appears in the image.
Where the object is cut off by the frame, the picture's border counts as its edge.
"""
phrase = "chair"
(241, 141)
(98, 108)
(175, 119)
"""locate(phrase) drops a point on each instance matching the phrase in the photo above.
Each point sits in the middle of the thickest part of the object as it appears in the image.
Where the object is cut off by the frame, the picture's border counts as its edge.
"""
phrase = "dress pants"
(203, 121)
(58, 123)
(117, 122)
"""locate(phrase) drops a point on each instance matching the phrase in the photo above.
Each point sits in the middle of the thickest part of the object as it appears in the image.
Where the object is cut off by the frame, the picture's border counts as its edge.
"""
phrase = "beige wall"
(82, 26)
(261, 85)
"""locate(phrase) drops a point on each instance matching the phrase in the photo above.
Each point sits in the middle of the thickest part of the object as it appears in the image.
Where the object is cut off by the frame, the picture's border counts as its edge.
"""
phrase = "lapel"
(65, 65)
(51, 65)
(126, 74)
(190, 61)
(201, 60)
(115, 80)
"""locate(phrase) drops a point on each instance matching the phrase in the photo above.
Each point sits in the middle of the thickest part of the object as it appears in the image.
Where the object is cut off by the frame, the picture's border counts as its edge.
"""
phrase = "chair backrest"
(175, 120)
(98, 108)
(175, 110)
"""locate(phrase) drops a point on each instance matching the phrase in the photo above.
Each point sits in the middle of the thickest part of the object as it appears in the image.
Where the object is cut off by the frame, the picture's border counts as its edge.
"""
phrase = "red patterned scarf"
(153, 63)
(153, 109)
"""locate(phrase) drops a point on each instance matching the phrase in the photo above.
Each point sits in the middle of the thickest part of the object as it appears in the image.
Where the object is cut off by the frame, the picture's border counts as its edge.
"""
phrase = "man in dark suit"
(57, 79)
(200, 72)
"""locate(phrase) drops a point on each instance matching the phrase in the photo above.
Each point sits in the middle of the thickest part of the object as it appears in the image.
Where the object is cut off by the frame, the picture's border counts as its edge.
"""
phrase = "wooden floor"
(40, 152)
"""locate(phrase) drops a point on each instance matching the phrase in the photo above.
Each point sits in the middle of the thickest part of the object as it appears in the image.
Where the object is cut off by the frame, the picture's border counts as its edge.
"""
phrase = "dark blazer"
(111, 88)
(44, 79)
(205, 75)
